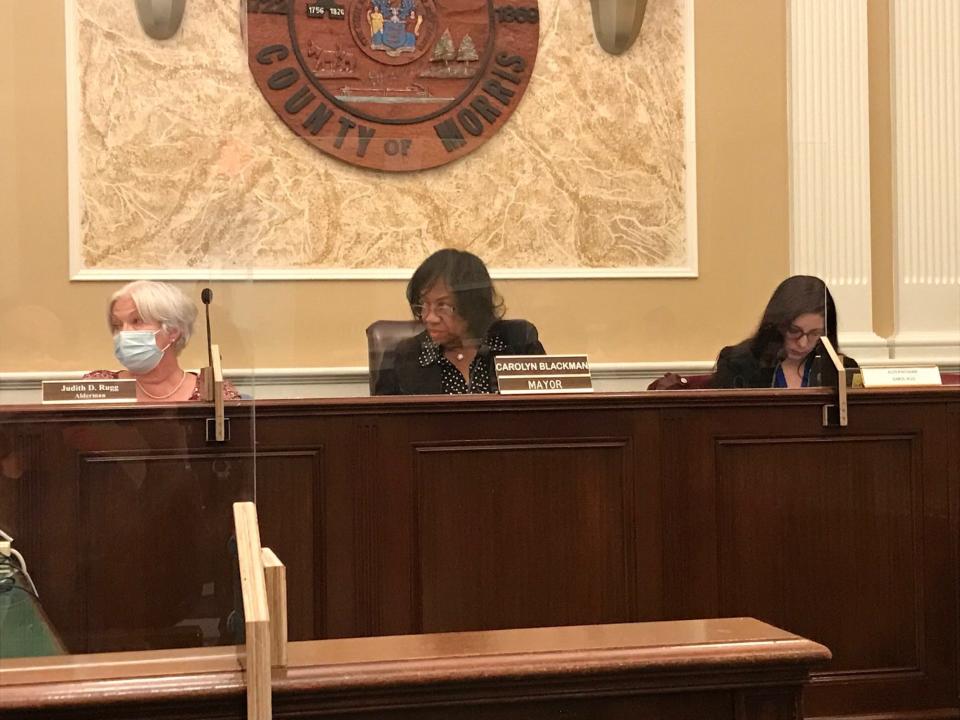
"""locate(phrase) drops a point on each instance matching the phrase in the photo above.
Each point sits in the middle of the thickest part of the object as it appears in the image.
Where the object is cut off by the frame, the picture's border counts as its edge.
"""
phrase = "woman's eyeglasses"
(795, 333)
(441, 309)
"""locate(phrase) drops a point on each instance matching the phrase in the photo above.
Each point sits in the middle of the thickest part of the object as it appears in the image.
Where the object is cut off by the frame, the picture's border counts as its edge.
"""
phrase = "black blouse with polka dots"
(451, 378)
(417, 365)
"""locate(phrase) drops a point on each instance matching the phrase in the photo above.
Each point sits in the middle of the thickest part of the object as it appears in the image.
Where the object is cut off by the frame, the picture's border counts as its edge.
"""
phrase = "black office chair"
(383, 335)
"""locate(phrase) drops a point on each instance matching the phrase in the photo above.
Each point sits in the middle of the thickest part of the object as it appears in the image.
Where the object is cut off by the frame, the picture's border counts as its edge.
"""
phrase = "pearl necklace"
(163, 397)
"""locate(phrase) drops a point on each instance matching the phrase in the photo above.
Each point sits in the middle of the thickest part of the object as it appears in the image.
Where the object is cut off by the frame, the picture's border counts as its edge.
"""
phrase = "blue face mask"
(137, 350)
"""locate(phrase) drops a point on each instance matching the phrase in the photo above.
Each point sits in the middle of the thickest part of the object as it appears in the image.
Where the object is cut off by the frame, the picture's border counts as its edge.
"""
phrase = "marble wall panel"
(179, 164)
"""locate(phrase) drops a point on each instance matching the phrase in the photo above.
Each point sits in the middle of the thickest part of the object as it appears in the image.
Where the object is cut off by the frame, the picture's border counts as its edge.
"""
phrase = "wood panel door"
(843, 535)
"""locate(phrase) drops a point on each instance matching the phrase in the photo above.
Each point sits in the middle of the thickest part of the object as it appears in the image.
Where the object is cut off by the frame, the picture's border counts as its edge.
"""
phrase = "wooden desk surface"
(725, 658)
(426, 515)
(458, 404)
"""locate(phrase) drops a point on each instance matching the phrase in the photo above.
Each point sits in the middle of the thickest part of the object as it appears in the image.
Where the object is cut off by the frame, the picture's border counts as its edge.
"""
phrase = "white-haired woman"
(151, 323)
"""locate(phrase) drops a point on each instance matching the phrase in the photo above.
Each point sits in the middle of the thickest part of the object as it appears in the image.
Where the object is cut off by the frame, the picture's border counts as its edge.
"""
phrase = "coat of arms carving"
(394, 85)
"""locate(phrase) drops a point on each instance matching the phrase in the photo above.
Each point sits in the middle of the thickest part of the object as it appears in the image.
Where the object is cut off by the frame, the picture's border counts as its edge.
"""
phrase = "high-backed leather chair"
(384, 335)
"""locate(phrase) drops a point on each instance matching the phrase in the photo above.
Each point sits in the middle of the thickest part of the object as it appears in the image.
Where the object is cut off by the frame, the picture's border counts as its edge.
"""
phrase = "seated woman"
(151, 323)
(780, 353)
(452, 295)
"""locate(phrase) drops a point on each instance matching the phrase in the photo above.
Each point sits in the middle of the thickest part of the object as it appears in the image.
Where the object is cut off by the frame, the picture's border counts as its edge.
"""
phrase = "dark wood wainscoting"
(413, 515)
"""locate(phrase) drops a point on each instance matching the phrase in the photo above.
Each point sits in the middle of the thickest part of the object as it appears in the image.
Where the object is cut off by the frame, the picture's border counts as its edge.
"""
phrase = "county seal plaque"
(393, 85)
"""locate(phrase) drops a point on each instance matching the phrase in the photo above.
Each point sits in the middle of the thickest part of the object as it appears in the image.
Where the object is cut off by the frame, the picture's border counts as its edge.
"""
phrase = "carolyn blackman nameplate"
(528, 374)
(393, 85)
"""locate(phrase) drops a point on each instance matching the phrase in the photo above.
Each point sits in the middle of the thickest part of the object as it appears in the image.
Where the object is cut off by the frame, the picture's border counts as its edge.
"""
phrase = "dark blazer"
(737, 367)
(401, 373)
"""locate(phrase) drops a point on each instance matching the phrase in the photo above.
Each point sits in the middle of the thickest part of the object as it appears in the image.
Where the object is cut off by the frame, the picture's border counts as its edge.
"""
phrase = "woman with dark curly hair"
(780, 353)
(452, 295)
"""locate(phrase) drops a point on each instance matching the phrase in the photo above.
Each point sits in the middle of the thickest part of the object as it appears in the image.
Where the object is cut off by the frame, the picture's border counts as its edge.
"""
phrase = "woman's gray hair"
(162, 303)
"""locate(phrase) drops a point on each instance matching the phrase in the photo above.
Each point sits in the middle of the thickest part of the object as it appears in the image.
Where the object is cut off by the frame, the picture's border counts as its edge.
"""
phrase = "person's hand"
(670, 381)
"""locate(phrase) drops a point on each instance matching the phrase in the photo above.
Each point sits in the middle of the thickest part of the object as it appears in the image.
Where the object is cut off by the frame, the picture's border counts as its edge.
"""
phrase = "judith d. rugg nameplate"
(89, 391)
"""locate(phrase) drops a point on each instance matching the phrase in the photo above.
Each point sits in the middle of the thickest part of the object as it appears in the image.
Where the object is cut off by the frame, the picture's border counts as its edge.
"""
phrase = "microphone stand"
(213, 381)
(207, 373)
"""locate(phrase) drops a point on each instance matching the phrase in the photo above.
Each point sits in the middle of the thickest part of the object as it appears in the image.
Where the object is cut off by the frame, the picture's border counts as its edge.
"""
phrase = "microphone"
(206, 295)
(213, 380)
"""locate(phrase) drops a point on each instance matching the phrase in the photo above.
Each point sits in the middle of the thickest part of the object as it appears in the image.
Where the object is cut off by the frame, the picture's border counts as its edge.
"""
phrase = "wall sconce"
(617, 23)
(160, 19)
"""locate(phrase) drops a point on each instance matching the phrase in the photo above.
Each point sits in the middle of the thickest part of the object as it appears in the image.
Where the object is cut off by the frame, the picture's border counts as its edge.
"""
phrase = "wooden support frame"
(263, 585)
(275, 575)
(211, 383)
(219, 422)
(841, 417)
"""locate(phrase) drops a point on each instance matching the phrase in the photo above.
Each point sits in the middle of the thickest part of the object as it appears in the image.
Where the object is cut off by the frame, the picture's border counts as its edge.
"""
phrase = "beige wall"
(50, 323)
(881, 167)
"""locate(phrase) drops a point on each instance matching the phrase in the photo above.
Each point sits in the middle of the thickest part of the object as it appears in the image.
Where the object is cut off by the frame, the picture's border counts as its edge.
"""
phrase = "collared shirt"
(481, 368)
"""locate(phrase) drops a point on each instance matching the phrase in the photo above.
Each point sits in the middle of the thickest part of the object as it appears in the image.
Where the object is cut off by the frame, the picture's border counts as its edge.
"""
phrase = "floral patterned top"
(229, 391)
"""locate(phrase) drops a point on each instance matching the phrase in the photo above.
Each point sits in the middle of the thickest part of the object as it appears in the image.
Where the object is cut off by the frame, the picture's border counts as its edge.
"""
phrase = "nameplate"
(900, 376)
(89, 391)
(528, 374)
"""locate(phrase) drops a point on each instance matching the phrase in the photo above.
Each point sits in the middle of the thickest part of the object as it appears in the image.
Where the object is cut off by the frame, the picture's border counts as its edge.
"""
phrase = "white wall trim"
(690, 210)
(353, 372)
(829, 125)
(942, 348)
(74, 98)
(925, 79)
(690, 268)
(23, 388)
(220, 274)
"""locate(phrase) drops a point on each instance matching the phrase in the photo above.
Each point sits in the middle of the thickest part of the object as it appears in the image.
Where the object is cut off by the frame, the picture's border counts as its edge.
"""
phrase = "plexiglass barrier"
(306, 162)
